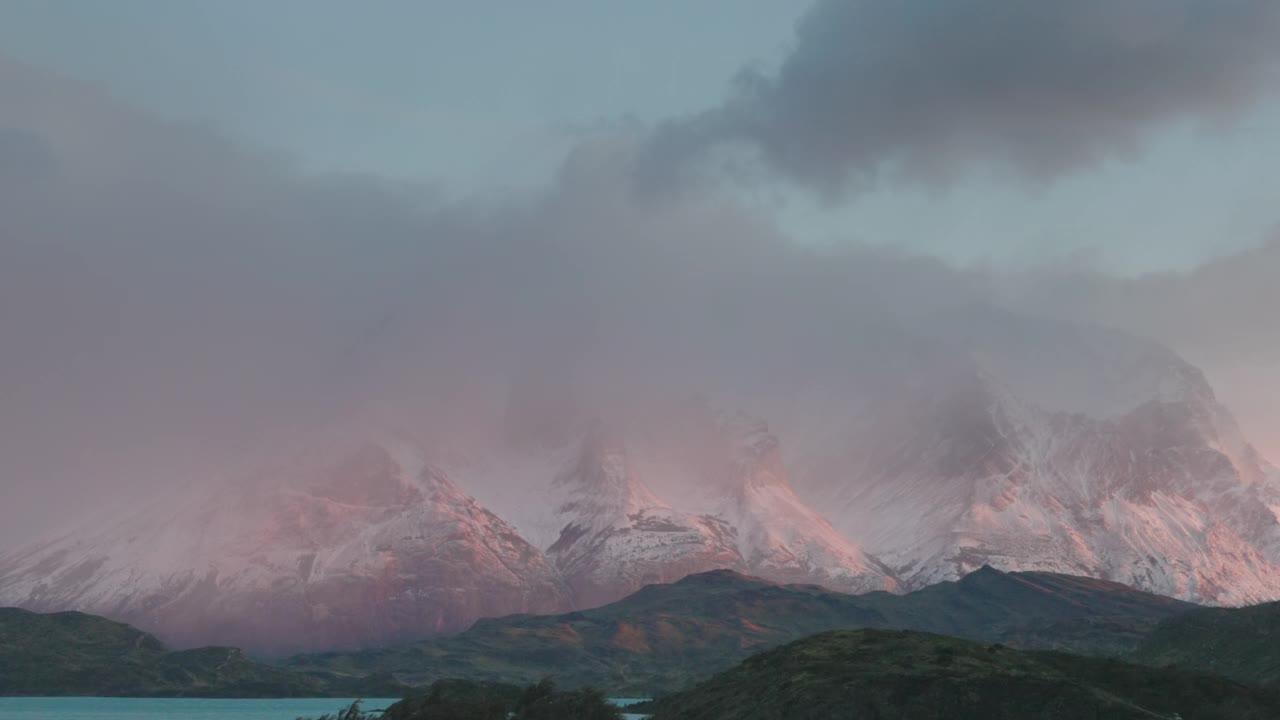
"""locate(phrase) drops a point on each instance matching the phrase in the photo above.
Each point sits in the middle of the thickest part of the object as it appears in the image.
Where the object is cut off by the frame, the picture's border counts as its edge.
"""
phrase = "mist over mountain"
(1099, 455)
(322, 410)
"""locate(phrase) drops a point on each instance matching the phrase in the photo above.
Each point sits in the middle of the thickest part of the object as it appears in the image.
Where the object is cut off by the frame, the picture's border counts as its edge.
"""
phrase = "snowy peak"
(1014, 445)
(601, 483)
(1162, 494)
(618, 536)
(780, 536)
(373, 548)
(741, 513)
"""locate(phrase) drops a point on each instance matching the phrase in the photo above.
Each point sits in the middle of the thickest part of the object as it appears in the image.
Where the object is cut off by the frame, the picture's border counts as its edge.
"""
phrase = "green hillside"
(877, 674)
(73, 653)
(1240, 643)
(665, 636)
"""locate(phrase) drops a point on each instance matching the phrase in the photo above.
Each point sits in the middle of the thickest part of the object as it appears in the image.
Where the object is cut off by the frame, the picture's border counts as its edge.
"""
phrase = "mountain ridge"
(1240, 643)
(912, 675)
(662, 635)
(71, 653)
(1028, 448)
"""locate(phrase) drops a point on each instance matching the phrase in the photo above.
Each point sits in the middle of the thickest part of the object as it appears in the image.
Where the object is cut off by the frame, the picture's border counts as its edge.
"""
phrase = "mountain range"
(662, 637)
(986, 439)
(667, 639)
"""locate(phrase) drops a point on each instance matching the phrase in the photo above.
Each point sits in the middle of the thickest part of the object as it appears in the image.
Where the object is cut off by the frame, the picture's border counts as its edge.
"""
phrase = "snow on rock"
(1159, 492)
(740, 513)
(371, 549)
(618, 536)
(917, 459)
(781, 537)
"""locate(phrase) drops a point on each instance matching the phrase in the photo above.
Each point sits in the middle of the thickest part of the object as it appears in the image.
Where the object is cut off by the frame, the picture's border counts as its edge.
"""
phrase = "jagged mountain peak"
(618, 535)
(736, 509)
(1156, 488)
(601, 481)
(1071, 452)
(780, 536)
(373, 547)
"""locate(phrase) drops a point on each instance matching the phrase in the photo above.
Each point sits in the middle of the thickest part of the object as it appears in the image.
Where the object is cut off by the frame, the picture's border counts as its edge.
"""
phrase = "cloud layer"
(172, 304)
(1221, 316)
(930, 89)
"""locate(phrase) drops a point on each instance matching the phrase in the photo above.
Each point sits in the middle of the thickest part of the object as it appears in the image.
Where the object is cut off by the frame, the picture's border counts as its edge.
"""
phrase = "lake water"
(63, 708)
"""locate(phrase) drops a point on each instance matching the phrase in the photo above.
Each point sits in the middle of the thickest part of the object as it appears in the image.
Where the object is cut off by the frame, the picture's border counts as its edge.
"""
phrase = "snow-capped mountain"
(923, 458)
(781, 537)
(737, 511)
(1111, 458)
(373, 548)
(618, 536)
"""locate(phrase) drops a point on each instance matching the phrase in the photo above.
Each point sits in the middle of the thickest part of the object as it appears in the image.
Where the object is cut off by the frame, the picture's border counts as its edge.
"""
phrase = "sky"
(489, 96)
(445, 91)
(221, 218)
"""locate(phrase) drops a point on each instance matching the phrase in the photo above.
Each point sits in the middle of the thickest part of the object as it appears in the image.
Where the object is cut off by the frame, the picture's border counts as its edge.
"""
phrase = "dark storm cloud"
(930, 88)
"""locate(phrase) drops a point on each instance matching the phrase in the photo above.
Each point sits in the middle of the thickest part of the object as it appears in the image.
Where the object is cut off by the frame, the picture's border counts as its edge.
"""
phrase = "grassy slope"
(916, 676)
(468, 700)
(77, 654)
(665, 635)
(1240, 643)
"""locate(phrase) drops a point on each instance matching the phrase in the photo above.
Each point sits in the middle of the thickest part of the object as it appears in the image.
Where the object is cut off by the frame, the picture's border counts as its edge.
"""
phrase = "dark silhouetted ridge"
(920, 676)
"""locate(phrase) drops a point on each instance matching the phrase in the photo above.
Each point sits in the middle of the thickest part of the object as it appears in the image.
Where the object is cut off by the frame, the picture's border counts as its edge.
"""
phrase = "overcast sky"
(489, 94)
(209, 209)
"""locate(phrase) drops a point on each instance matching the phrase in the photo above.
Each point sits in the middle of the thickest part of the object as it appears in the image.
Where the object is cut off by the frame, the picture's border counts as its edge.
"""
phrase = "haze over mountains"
(341, 411)
(1011, 444)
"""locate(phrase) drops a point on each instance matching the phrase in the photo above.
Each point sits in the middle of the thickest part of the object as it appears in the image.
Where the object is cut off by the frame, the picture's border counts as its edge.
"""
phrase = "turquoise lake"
(24, 708)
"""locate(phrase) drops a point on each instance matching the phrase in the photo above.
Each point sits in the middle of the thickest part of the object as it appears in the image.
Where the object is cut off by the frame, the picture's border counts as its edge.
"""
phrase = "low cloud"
(173, 305)
(1220, 316)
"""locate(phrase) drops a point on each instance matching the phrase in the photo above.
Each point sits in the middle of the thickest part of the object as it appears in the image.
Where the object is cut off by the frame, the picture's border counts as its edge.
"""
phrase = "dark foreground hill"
(664, 636)
(876, 674)
(1240, 643)
(471, 700)
(77, 654)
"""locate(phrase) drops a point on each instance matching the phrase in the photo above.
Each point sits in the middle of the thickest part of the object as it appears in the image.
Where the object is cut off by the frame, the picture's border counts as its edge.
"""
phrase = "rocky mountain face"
(1164, 495)
(781, 537)
(913, 460)
(619, 536)
(373, 549)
